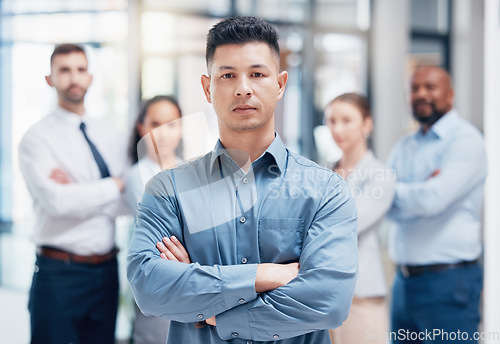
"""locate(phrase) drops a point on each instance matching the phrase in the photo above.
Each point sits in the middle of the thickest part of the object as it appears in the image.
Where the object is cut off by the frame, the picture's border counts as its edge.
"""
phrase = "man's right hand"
(120, 183)
(59, 176)
(271, 276)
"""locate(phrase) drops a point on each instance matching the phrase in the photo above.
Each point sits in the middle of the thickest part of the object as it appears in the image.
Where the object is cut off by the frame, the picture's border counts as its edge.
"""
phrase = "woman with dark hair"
(372, 187)
(154, 147)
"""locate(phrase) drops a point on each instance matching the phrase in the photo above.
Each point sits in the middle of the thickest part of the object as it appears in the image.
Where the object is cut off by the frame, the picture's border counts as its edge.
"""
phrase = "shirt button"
(276, 336)
(244, 260)
(234, 334)
(241, 301)
(242, 219)
(245, 180)
(200, 316)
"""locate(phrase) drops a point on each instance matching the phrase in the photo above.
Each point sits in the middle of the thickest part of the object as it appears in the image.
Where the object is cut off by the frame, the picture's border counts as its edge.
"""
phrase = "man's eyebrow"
(257, 65)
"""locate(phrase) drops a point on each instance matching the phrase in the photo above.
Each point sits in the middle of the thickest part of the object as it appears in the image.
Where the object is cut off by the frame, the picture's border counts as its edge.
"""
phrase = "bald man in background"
(437, 210)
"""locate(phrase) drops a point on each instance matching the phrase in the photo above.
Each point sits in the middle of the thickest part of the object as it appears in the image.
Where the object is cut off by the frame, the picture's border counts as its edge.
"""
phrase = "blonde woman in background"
(372, 186)
(153, 148)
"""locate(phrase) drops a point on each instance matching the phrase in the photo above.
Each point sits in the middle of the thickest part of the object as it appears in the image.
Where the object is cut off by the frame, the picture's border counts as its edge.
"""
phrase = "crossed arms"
(257, 301)
(462, 169)
(54, 189)
(269, 276)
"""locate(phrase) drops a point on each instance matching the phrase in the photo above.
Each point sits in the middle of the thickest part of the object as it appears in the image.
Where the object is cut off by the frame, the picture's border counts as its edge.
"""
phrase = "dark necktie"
(97, 156)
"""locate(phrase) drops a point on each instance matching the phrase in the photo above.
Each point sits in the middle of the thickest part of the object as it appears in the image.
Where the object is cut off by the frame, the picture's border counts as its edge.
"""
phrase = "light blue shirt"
(438, 218)
(285, 209)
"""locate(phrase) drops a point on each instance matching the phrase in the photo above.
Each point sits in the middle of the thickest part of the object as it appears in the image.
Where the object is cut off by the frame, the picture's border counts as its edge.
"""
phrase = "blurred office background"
(141, 48)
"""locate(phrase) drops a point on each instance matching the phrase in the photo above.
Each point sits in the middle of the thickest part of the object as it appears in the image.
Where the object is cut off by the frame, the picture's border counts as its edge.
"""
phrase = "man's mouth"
(244, 109)
(74, 89)
(421, 106)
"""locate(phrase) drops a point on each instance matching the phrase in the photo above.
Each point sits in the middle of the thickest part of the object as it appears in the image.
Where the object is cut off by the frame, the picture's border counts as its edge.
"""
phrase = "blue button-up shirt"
(285, 209)
(438, 218)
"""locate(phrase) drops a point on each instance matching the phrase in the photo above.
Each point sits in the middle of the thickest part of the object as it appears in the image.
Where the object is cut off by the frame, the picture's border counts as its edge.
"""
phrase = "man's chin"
(422, 118)
(74, 100)
(428, 119)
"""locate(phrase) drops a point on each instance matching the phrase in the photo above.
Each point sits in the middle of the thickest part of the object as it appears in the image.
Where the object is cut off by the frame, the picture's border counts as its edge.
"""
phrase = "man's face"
(70, 77)
(244, 85)
(431, 93)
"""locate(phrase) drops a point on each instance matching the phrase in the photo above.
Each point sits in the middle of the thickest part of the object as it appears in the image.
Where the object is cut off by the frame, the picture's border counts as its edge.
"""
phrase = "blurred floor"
(14, 317)
(17, 258)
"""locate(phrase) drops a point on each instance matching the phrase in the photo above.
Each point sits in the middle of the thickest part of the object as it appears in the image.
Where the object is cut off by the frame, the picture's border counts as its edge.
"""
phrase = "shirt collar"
(443, 126)
(276, 150)
(69, 117)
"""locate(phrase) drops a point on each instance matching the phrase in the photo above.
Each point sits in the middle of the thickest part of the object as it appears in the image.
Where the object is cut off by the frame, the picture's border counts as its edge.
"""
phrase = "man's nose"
(243, 88)
(74, 77)
(419, 93)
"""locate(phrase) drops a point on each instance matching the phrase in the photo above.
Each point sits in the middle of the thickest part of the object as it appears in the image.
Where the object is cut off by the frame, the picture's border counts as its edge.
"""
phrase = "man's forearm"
(271, 276)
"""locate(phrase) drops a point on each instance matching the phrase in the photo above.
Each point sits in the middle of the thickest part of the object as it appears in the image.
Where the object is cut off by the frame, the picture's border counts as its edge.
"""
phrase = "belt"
(94, 259)
(414, 270)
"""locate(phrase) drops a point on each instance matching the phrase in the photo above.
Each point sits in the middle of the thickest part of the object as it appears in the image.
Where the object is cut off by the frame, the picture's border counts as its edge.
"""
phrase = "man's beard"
(73, 98)
(431, 119)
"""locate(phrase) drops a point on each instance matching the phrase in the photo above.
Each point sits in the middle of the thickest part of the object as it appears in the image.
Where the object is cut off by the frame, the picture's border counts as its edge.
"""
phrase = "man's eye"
(227, 76)
(258, 75)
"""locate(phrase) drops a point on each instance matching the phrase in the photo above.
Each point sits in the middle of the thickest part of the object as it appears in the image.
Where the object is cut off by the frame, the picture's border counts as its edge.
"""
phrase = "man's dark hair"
(241, 30)
(64, 49)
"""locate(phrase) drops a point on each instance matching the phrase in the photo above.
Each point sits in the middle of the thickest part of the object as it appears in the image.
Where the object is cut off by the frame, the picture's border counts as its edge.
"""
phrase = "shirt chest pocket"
(280, 240)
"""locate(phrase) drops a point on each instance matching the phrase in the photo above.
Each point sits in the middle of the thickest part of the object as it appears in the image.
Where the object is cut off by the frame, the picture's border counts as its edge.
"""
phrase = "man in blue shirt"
(436, 244)
(259, 244)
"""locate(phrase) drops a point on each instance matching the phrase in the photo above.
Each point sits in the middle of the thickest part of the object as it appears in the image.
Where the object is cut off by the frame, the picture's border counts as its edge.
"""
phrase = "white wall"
(467, 49)
(389, 39)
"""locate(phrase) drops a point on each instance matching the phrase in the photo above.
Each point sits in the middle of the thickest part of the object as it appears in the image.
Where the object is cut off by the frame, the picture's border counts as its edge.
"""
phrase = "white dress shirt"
(80, 216)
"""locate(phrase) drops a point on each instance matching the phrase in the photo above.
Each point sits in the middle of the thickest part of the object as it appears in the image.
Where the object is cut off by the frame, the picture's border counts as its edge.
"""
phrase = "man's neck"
(77, 108)
(246, 147)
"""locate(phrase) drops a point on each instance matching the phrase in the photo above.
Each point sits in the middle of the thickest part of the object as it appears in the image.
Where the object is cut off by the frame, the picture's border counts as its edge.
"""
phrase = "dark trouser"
(437, 307)
(73, 303)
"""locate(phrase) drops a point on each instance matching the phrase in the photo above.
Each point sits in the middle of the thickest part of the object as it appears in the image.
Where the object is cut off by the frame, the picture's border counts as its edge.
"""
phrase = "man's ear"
(205, 83)
(48, 79)
(282, 79)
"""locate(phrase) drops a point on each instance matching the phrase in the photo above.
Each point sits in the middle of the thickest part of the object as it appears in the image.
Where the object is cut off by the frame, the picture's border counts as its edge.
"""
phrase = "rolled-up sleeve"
(320, 296)
(173, 290)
